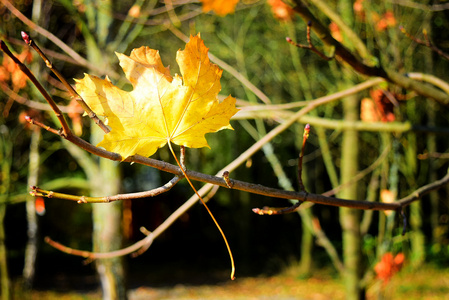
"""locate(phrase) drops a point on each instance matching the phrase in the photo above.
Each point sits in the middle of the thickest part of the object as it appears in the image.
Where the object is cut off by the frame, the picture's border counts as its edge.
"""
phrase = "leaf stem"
(208, 210)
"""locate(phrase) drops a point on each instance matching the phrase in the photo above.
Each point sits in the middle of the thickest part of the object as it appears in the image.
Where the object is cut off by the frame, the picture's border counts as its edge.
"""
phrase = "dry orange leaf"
(388, 266)
(368, 111)
(281, 11)
(220, 7)
(160, 108)
(335, 32)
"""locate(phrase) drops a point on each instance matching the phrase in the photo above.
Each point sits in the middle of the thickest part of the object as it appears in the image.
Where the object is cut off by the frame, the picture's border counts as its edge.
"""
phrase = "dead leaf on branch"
(160, 108)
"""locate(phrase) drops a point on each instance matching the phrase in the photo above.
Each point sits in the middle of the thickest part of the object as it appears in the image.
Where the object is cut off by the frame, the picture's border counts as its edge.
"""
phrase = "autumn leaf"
(388, 266)
(220, 7)
(281, 11)
(9, 70)
(384, 105)
(368, 111)
(335, 32)
(160, 108)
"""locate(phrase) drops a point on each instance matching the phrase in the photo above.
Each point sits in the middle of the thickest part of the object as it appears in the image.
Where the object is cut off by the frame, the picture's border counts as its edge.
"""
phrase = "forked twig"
(81, 60)
(135, 249)
(427, 42)
(64, 81)
(65, 127)
(310, 45)
(36, 191)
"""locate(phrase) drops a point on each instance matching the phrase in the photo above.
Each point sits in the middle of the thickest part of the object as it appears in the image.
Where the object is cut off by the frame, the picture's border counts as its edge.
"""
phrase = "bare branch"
(362, 68)
(424, 190)
(426, 43)
(34, 104)
(36, 191)
(33, 26)
(64, 81)
(310, 45)
(65, 127)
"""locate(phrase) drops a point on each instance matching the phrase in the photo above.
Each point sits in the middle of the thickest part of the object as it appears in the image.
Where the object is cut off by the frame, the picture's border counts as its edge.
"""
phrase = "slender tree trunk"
(31, 247)
(350, 218)
(107, 231)
(5, 163)
(5, 283)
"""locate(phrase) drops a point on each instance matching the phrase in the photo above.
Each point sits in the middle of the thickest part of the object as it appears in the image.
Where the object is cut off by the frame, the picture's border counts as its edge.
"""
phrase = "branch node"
(310, 45)
(426, 43)
(228, 181)
(82, 200)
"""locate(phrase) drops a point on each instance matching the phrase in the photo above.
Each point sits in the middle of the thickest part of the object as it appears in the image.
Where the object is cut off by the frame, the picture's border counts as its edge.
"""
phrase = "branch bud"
(25, 37)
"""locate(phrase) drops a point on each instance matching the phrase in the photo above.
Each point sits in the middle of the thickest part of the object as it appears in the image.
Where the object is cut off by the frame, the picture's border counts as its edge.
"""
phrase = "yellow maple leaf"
(220, 7)
(160, 108)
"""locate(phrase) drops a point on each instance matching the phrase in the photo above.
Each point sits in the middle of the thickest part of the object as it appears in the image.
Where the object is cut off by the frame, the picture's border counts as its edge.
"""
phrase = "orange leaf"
(358, 9)
(39, 206)
(10, 71)
(388, 266)
(220, 7)
(281, 10)
(387, 20)
(75, 114)
(384, 105)
(335, 31)
(368, 111)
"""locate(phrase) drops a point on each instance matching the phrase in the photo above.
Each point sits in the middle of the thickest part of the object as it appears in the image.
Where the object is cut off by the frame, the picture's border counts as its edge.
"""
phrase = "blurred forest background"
(383, 140)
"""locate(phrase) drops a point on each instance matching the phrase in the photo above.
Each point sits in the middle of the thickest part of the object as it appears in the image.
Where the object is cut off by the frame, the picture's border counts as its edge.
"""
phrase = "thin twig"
(64, 81)
(33, 26)
(36, 191)
(41, 125)
(65, 127)
(301, 155)
(357, 65)
(426, 43)
(34, 104)
(310, 45)
(424, 190)
(98, 255)
(261, 95)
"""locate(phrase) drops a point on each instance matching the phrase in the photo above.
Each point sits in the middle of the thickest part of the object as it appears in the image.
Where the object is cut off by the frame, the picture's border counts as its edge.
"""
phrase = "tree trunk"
(5, 160)
(350, 218)
(107, 233)
(31, 247)
(5, 283)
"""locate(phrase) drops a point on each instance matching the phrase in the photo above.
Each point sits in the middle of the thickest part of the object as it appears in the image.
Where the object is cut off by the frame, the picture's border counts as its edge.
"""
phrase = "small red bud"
(28, 119)
(25, 37)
